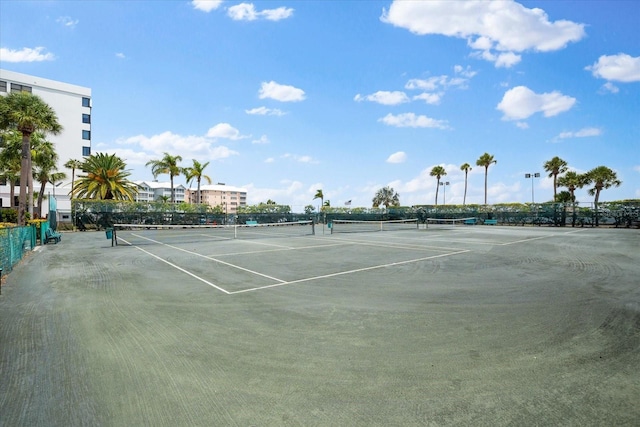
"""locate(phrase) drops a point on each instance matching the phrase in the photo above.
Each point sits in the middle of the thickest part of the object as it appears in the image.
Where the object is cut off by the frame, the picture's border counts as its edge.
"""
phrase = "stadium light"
(532, 175)
(444, 194)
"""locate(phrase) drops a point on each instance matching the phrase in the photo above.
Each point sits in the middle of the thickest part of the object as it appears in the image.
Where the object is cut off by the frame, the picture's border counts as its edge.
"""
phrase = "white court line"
(538, 238)
(212, 259)
(177, 267)
(341, 273)
(395, 246)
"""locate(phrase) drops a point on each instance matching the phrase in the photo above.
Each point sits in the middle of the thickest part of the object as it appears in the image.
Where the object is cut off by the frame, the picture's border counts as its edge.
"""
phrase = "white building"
(227, 197)
(72, 105)
(151, 191)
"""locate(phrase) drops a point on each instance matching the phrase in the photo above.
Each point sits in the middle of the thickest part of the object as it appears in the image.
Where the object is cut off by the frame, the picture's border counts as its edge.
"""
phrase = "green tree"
(386, 196)
(438, 172)
(309, 209)
(105, 179)
(571, 181)
(10, 161)
(555, 167)
(45, 160)
(73, 164)
(319, 195)
(466, 167)
(601, 178)
(485, 160)
(196, 171)
(27, 113)
(166, 165)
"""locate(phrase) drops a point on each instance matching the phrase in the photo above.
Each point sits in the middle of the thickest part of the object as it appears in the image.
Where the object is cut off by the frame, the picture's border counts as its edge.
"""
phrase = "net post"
(313, 228)
(235, 231)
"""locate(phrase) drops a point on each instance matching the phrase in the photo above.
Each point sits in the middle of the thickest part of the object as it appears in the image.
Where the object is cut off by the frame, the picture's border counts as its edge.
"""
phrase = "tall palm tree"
(105, 179)
(319, 195)
(572, 180)
(196, 171)
(485, 160)
(602, 178)
(10, 161)
(73, 164)
(555, 167)
(438, 172)
(45, 160)
(166, 165)
(27, 113)
(466, 167)
(386, 196)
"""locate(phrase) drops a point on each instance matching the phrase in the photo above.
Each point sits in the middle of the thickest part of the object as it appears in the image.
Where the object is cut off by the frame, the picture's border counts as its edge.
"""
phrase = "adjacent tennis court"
(452, 324)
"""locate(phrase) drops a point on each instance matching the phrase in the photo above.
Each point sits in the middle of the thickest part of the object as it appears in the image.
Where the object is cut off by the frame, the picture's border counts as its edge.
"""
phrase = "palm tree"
(386, 196)
(10, 161)
(438, 172)
(26, 113)
(572, 180)
(73, 164)
(466, 167)
(485, 160)
(45, 160)
(196, 172)
(602, 178)
(166, 165)
(319, 195)
(105, 179)
(555, 167)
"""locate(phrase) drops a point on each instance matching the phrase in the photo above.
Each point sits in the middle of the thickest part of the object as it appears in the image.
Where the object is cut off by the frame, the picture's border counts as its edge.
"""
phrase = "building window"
(15, 87)
(86, 102)
(86, 134)
(86, 118)
(3, 86)
(86, 151)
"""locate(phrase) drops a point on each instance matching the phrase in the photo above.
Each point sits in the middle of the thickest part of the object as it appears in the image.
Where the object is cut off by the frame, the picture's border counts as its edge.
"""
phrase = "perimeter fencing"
(103, 214)
(14, 243)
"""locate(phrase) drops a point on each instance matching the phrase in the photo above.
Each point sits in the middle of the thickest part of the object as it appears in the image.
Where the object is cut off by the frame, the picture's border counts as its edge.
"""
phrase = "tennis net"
(449, 223)
(210, 232)
(362, 226)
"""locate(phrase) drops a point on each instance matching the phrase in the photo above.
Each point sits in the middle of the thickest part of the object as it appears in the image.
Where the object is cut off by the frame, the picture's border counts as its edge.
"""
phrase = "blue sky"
(287, 97)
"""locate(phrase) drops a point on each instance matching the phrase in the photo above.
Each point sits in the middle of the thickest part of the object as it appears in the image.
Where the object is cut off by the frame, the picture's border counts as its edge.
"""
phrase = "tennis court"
(445, 325)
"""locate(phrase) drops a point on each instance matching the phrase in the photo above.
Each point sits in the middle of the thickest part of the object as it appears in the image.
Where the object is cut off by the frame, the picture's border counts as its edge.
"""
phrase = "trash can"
(109, 233)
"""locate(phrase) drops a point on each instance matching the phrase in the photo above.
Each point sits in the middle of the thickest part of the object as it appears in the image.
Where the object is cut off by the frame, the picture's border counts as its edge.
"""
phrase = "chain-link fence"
(14, 242)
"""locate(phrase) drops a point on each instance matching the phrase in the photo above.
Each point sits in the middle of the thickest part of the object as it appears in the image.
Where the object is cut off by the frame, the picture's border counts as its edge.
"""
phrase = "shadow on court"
(469, 326)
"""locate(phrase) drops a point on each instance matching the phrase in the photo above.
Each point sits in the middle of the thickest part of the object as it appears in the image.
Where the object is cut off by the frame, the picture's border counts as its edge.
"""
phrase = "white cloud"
(264, 111)
(298, 158)
(399, 157)
(262, 140)
(120, 55)
(521, 102)
(582, 133)
(505, 27)
(226, 131)
(411, 120)
(206, 5)
(67, 21)
(25, 54)
(429, 98)
(384, 97)
(282, 93)
(248, 12)
(289, 190)
(269, 160)
(637, 168)
(190, 146)
(609, 88)
(522, 125)
(621, 67)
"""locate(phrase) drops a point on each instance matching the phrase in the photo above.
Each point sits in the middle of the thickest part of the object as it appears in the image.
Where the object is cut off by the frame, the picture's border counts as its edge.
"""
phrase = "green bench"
(490, 221)
(470, 221)
(52, 236)
(252, 222)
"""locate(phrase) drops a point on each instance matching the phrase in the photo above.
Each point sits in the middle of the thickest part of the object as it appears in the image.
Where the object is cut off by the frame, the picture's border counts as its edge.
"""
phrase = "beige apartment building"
(229, 198)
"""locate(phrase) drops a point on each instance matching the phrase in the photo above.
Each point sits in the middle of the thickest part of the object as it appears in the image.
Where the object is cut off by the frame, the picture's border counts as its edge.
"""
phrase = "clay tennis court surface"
(477, 325)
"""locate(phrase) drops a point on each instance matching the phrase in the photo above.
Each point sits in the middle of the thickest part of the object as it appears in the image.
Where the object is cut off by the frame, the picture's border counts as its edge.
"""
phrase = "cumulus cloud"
(226, 131)
(206, 5)
(120, 55)
(282, 93)
(264, 111)
(413, 120)
(298, 158)
(399, 157)
(582, 133)
(262, 140)
(188, 146)
(609, 87)
(384, 97)
(621, 67)
(496, 31)
(521, 102)
(25, 54)
(429, 98)
(248, 12)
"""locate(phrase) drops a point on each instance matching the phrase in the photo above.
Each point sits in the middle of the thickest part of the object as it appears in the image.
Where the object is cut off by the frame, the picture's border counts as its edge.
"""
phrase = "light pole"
(532, 175)
(444, 192)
